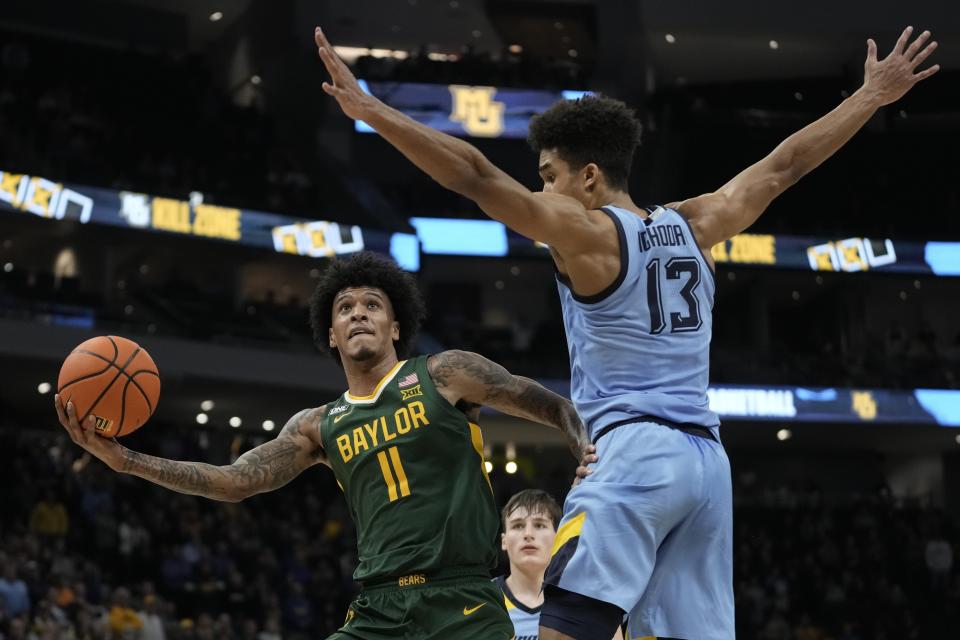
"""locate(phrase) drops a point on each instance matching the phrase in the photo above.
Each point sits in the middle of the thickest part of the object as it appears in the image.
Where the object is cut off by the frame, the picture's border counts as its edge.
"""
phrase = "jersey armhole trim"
(624, 265)
(693, 236)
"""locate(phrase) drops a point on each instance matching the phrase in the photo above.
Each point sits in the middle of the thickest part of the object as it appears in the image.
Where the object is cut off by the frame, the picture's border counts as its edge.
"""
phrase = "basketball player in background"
(649, 532)
(404, 446)
(529, 520)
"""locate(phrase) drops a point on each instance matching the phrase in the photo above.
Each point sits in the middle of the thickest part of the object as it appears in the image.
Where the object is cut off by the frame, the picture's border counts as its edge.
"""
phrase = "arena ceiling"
(711, 41)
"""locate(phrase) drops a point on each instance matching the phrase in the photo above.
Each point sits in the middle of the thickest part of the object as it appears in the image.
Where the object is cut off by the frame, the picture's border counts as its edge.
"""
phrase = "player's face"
(363, 324)
(528, 539)
(558, 177)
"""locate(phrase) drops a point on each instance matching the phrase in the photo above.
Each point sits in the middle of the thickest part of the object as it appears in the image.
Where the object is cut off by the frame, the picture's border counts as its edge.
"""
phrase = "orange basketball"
(114, 379)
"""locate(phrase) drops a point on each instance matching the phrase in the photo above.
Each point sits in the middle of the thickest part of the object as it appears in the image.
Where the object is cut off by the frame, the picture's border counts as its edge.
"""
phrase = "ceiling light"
(216, 16)
(268, 425)
(43, 387)
(511, 467)
(774, 45)
(8, 267)
(798, 96)
(784, 434)
(202, 418)
(572, 53)
(207, 405)
(516, 48)
(489, 465)
(235, 422)
(255, 79)
(670, 38)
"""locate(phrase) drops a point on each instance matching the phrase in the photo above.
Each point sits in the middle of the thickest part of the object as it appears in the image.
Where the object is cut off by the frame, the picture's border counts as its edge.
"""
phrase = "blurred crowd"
(88, 554)
(871, 569)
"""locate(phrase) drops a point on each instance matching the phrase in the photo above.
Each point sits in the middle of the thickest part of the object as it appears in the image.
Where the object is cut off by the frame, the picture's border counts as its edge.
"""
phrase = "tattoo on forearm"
(267, 467)
(498, 388)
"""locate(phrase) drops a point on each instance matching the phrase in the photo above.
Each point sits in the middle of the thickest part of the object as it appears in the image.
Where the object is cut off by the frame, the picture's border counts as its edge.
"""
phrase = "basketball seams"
(123, 406)
(84, 377)
(95, 355)
(107, 388)
(139, 388)
(116, 348)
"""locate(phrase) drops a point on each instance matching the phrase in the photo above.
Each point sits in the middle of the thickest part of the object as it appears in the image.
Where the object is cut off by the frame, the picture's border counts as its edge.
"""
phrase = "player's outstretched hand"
(343, 85)
(889, 79)
(107, 449)
(589, 457)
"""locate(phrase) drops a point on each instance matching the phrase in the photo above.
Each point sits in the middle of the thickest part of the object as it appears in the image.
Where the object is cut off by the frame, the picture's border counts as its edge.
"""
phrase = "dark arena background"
(172, 172)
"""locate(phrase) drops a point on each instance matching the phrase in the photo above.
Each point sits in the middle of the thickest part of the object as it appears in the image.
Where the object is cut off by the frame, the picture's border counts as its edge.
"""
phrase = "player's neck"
(364, 376)
(617, 198)
(526, 586)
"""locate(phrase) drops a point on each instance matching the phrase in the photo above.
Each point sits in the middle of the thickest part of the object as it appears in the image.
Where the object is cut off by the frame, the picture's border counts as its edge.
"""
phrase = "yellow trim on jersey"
(568, 530)
(373, 397)
(629, 637)
(507, 601)
(476, 437)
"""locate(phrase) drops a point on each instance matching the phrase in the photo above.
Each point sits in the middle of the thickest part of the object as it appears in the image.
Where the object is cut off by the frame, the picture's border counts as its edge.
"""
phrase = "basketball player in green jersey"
(405, 448)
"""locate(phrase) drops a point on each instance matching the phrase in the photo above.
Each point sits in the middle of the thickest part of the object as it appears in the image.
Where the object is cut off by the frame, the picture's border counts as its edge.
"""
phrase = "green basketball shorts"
(429, 606)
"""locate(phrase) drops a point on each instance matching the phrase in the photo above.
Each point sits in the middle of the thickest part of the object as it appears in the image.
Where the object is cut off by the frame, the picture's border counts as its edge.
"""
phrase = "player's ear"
(332, 338)
(591, 176)
(503, 542)
(395, 330)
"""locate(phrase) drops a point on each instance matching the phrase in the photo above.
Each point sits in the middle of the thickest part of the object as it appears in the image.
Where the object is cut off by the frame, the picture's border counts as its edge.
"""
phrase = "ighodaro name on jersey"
(670, 235)
(382, 429)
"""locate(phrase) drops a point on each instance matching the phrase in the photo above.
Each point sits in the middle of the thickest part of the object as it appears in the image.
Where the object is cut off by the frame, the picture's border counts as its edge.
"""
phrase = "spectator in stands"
(152, 622)
(49, 516)
(125, 624)
(939, 559)
(13, 591)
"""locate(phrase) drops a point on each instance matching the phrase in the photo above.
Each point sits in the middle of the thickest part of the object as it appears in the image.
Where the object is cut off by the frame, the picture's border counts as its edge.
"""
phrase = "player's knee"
(571, 616)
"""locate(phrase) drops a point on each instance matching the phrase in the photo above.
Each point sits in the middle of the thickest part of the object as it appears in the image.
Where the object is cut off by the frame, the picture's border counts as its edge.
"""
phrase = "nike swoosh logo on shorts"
(467, 611)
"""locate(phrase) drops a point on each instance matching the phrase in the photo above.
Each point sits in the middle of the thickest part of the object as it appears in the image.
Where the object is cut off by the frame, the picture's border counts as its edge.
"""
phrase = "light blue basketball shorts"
(651, 531)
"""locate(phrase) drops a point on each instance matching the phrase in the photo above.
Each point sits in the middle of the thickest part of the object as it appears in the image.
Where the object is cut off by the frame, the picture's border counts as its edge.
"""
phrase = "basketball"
(115, 380)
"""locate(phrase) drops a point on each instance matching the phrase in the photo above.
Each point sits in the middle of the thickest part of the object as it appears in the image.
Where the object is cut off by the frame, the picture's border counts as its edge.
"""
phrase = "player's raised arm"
(720, 215)
(557, 220)
(461, 375)
(265, 468)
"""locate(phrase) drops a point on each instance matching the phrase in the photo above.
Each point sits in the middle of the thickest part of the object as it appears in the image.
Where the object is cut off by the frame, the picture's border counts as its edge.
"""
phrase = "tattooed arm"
(463, 376)
(265, 468)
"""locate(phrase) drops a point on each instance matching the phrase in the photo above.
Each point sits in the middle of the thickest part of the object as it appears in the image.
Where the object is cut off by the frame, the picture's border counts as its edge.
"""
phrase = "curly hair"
(366, 269)
(594, 129)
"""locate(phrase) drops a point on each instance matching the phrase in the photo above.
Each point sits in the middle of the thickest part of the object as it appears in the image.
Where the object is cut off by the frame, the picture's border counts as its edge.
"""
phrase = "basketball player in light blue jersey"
(649, 531)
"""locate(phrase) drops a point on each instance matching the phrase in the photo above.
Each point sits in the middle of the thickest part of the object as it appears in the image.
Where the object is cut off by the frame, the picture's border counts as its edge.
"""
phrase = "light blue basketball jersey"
(642, 346)
(526, 620)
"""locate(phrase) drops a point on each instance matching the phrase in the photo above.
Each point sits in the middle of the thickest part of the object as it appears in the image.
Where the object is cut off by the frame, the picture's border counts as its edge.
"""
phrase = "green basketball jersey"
(411, 468)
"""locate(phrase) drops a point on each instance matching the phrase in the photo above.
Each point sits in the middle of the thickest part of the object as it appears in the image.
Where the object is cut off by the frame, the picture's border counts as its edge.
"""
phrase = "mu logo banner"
(476, 109)
(864, 404)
